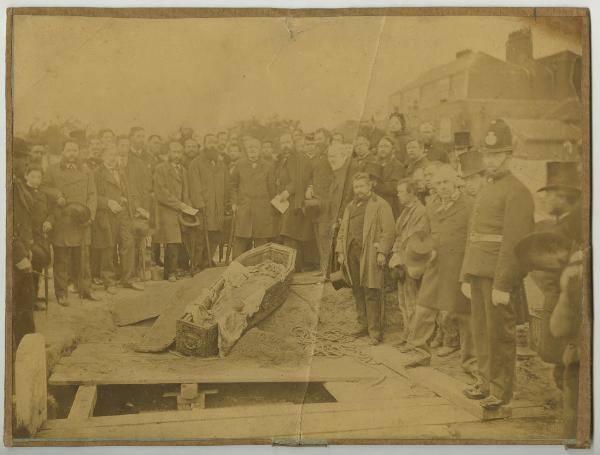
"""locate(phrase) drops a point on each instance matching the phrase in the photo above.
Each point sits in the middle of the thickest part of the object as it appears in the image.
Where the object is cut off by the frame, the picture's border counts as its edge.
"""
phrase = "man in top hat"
(563, 198)
(208, 180)
(172, 198)
(72, 190)
(252, 188)
(22, 241)
(363, 242)
(392, 172)
(396, 130)
(114, 216)
(448, 215)
(435, 150)
(472, 172)
(502, 215)
(562, 203)
(412, 219)
(293, 178)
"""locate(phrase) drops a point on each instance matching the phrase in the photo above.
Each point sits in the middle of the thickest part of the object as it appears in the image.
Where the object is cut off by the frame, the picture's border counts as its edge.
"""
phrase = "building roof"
(463, 63)
(543, 129)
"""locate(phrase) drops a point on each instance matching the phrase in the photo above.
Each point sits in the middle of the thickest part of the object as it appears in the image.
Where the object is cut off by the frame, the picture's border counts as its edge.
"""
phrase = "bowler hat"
(78, 135)
(338, 279)
(140, 227)
(471, 163)
(79, 213)
(542, 251)
(374, 170)
(418, 249)
(498, 137)
(562, 175)
(40, 256)
(187, 220)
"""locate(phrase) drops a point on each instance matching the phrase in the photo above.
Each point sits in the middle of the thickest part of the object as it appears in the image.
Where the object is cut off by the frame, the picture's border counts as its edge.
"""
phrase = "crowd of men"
(441, 223)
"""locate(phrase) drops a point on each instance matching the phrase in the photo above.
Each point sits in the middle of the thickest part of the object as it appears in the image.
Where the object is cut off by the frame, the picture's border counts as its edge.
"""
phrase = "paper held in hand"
(189, 210)
(280, 205)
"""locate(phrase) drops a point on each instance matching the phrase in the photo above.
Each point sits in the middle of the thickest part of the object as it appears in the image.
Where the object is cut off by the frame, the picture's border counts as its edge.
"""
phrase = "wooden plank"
(162, 333)
(112, 364)
(236, 412)
(84, 403)
(132, 307)
(440, 383)
(304, 420)
(452, 389)
(388, 389)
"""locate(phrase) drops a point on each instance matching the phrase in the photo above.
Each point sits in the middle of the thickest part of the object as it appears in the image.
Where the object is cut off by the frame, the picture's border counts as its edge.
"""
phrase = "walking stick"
(205, 222)
(229, 257)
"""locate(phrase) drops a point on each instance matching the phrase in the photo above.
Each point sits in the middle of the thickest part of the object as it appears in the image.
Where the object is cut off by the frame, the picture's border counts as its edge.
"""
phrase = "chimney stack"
(519, 47)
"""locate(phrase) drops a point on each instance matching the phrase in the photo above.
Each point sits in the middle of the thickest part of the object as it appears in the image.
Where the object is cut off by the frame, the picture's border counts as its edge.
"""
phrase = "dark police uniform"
(502, 215)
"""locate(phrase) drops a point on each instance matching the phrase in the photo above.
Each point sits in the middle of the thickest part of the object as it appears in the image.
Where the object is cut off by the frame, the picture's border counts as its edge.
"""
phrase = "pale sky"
(159, 73)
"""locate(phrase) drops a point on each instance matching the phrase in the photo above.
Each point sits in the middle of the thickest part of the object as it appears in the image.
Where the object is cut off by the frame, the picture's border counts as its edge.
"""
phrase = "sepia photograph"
(298, 227)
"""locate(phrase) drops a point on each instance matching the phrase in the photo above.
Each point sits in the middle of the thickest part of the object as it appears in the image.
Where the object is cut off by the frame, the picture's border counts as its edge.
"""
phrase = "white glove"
(24, 265)
(114, 206)
(500, 297)
(465, 288)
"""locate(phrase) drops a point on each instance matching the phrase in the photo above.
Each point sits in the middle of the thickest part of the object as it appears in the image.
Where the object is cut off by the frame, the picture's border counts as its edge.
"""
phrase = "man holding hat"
(448, 214)
(73, 200)
(363, 242)
(412, 219)
(502, 215)
(112, 226)
(472, 172)
(171, 192)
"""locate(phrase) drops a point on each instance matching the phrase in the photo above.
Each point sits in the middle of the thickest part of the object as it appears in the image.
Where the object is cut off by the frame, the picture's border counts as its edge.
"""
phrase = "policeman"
(502, 215)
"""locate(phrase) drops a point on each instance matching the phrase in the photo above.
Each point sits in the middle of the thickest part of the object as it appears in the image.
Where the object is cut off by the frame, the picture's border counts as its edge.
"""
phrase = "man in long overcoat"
(208, 179)
(293, 178)
(448, 218)
(252, 188)
(502, 215)
(21, 310)
(112, 226)
(71, 237)
(171, 192)
(364, 240)
(412, 219)
(138, 172)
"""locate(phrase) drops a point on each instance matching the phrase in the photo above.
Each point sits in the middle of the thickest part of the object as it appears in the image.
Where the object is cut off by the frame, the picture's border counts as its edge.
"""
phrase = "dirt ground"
(315, 320)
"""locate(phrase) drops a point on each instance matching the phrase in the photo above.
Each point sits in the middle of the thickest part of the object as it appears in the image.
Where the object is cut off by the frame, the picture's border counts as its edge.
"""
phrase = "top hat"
(20, 147)
(471, 163)
(40, 256)
(542, 251)
(462, 139)
(562, 175)
(375, 170)
(418, 249)
(79, 213)
(498, 137)
(187, 220)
